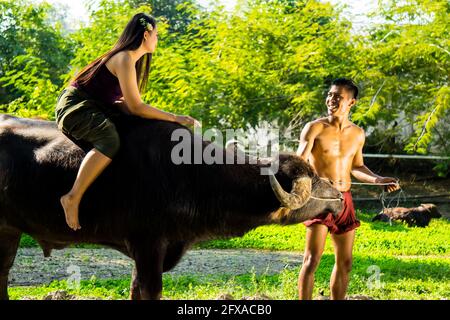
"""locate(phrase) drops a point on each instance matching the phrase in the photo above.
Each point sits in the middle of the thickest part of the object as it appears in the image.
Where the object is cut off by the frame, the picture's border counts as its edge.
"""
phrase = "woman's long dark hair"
(130, 39)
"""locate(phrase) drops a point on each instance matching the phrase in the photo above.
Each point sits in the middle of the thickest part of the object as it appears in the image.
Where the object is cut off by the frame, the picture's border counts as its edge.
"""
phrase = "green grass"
(414, 263)
(27, 241)
(400, 278)
(371, 237)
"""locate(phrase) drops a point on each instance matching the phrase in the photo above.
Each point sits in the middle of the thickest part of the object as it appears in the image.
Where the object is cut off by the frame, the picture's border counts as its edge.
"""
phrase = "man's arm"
(364, 174)
(307, 137)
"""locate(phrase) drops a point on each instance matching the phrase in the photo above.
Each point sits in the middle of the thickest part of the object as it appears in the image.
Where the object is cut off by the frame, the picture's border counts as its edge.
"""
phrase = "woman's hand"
(187, 121)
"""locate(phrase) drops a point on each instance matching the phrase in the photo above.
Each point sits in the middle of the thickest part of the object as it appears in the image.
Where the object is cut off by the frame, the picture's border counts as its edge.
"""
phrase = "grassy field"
(390, 262)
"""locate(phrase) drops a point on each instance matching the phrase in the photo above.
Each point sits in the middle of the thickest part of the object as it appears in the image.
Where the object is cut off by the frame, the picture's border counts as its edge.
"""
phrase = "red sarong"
(344, 222)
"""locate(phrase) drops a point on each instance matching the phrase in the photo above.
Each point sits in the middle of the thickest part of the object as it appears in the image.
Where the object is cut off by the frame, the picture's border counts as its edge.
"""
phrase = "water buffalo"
(418, 216)
(143, 204)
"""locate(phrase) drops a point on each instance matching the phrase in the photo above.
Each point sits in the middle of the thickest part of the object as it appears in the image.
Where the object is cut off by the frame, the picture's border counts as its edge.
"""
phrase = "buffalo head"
(308, 197)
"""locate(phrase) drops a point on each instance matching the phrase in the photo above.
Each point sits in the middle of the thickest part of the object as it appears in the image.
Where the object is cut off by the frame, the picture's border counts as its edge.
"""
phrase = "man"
(333, 146)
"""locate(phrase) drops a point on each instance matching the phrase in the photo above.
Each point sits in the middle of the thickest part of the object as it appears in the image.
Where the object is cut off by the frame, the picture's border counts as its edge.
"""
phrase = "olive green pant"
(87, 122)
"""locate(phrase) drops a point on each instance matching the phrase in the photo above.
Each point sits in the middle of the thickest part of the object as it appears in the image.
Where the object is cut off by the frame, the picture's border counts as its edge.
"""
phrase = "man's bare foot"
(71, 211)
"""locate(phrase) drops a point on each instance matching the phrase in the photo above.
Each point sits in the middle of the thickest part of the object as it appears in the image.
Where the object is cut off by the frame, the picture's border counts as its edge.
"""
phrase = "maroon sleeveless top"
(104, 86)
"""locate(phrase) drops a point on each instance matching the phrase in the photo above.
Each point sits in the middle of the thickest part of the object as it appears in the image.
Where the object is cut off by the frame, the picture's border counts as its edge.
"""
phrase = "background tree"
(266, 61)
(34, 55)
(178, 13)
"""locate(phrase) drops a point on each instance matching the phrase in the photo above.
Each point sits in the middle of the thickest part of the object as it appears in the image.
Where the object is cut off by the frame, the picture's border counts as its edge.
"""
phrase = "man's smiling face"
(339, 101)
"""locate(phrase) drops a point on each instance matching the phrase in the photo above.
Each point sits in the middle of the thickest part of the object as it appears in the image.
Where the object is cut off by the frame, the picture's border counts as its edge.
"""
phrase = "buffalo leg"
(149, 268)
(9, 242)
(173, 255)
(135, 290)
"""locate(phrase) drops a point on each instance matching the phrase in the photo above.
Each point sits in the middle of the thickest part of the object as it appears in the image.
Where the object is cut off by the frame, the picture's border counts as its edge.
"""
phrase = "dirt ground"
(31, 268)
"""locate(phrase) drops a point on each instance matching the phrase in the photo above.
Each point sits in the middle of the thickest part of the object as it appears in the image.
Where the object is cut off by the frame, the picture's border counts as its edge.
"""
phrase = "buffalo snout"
(328, 197)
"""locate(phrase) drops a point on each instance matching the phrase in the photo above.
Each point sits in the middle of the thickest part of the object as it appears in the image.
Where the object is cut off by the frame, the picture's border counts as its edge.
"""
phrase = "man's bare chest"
(332, 144)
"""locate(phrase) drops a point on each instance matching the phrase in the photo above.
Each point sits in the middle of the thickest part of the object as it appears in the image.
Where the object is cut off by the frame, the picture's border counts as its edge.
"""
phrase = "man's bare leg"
(343, 247)
(316, 236)
(92, 165)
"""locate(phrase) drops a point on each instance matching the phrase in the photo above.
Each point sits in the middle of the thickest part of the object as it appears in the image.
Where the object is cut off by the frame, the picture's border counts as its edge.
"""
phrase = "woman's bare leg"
(92, 165)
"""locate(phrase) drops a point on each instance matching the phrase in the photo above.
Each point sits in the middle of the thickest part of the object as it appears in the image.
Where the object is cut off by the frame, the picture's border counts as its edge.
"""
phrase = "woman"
(84, 108)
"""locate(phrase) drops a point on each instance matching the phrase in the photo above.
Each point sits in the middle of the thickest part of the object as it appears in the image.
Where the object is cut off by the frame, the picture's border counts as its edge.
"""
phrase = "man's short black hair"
(348, 84)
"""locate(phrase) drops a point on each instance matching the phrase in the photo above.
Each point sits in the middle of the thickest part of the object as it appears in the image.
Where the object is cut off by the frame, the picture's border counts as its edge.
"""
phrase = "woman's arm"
(122, 105)
(126, 73)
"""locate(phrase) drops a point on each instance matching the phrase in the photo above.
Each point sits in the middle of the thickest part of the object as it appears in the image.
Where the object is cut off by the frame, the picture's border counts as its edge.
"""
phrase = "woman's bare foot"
(70, 206)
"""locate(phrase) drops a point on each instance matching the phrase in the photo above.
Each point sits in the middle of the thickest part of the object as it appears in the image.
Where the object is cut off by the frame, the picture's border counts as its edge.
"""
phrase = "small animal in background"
(419, 216)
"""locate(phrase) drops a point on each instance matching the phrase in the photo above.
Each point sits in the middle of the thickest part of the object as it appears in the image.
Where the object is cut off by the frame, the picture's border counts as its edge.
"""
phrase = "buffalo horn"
(300, 194)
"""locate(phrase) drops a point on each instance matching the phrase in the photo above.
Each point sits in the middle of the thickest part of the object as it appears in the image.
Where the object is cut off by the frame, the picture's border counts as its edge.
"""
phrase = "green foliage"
(402, 65)
(26, 28)
(426, 122)
(30, 81)
(265, 61)
(256, 64)
(442, 168)
(176, 12)
(31, 40)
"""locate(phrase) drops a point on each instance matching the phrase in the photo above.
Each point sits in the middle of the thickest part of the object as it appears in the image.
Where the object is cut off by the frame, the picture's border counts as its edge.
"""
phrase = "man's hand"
(394, 185)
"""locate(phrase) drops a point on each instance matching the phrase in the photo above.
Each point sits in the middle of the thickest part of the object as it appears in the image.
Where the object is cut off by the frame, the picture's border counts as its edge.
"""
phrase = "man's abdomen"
(336, 170)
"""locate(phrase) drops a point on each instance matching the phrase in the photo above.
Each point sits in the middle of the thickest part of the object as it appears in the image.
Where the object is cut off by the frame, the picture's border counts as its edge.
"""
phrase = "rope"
(326, 199)
(400, 194)
(360, 183)
(382, 196)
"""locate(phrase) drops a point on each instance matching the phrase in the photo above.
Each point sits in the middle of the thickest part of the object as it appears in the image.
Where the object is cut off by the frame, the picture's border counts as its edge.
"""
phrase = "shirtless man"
(333, 146)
